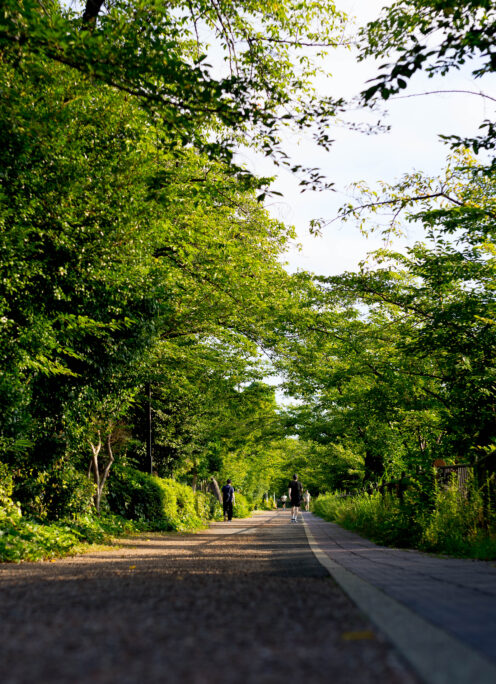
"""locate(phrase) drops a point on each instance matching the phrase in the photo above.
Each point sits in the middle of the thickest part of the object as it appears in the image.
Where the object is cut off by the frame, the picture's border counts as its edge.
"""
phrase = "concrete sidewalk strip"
(457, 595)
(436, 656)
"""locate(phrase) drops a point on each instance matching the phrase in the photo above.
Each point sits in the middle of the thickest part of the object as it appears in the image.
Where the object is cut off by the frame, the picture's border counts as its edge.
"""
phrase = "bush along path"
(237, 603)
(136, 502)
(447, 520)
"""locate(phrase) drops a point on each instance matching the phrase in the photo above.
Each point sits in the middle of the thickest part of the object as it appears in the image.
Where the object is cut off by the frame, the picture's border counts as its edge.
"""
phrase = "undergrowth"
(28, 540)
(461, 524)
(135, 502)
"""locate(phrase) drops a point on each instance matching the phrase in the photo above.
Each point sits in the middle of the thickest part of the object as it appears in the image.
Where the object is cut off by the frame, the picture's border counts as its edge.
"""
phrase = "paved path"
(245, 602)
(456, 597)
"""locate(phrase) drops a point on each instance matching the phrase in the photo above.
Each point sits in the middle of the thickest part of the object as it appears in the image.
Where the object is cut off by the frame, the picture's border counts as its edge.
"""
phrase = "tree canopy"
(212, 73)
(144, 301)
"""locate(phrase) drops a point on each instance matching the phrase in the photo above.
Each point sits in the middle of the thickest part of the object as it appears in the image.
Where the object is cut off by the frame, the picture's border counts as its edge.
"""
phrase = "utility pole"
(149, 451)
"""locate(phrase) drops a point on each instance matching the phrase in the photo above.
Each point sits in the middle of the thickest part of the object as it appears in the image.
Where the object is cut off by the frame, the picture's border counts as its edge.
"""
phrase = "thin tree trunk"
(149, 442)
(216, 488)
(104, 476)
(95, 451)
(100, 478)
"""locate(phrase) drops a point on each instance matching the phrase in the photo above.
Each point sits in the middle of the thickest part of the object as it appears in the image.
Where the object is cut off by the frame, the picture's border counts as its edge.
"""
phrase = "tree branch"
(397, 200)
(441, 92)
(91, 11)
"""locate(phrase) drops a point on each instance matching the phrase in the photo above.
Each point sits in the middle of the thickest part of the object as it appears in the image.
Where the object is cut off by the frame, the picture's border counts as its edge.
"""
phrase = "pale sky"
(412, 144)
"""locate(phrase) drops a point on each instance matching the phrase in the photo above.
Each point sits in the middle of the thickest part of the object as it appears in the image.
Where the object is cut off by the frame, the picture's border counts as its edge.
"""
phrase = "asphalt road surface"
(242, 602)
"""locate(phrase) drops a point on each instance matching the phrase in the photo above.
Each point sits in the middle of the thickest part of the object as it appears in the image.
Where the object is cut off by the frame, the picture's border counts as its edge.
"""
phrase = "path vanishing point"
(253, 601)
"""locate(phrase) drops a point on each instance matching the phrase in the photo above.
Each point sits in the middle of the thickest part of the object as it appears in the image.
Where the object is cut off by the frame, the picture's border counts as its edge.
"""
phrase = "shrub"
(267, 505)
(216, 510)
(202, 505)
(164, 503)
(137, 496)
(454, 522)
(381, 518)
(181, 498)
(58, 492)
(9, 511)
(26, 540)
(456, 526)
(208, 506)
(242, 508)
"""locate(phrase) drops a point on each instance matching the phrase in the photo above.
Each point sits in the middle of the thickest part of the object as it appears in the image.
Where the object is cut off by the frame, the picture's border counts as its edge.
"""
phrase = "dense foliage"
(123, 268)
(451, 525)
(399, 359)
(401, 353)
(236, 70)
(143, 297)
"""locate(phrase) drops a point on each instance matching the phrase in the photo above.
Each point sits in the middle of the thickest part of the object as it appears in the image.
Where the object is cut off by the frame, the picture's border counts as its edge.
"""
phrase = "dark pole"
(149, 451)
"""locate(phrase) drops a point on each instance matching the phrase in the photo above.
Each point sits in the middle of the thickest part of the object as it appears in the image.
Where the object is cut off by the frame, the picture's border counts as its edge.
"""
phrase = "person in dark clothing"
(228, 500)
(295, 491)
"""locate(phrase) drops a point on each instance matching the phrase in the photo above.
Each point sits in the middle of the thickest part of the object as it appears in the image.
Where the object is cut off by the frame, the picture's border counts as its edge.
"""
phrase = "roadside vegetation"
(452, 522)
(135, 502)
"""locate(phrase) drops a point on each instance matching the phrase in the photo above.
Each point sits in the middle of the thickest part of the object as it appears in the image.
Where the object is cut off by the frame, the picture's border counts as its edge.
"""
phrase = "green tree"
(212, 73)
(120, 259)
(418, 341)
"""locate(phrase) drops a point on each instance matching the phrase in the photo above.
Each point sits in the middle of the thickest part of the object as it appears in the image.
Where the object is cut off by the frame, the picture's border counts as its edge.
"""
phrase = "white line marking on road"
(436, 656)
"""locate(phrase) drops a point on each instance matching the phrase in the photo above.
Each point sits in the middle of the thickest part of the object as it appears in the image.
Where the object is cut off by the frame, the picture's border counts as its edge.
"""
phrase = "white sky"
(412, 144)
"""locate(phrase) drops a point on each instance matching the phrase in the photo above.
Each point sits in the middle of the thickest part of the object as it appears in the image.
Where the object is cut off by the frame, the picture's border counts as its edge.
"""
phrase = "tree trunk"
(216, 488)
(94, 468)
(149, 442)
(91, 11)
(100, 478)
(103, 478)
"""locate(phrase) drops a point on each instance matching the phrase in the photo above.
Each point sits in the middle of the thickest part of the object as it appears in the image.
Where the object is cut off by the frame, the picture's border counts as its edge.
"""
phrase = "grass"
(23, 539)
(454, 523)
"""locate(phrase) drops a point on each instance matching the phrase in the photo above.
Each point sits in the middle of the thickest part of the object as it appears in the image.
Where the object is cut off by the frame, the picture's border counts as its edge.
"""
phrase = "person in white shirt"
(306, 499)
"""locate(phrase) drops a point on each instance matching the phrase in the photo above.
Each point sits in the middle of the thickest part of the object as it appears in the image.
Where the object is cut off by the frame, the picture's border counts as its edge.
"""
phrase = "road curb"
(437, 657)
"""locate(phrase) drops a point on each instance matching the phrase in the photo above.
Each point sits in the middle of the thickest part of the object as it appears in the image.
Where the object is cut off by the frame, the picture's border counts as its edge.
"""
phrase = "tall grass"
(456, 523)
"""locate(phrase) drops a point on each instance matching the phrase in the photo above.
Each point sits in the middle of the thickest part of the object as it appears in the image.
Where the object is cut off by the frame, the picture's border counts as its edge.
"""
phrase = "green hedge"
(242, 507)
(164, 504)
(135, 495)
(59, 491)
(208, 506)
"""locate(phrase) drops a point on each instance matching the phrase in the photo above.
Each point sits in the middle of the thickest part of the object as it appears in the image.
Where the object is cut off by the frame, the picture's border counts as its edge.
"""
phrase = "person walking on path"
(306, 499)
(228, 500)
(295, 490)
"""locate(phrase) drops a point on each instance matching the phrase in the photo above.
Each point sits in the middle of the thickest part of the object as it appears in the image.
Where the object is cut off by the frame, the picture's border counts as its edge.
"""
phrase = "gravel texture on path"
(242, 602)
